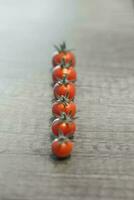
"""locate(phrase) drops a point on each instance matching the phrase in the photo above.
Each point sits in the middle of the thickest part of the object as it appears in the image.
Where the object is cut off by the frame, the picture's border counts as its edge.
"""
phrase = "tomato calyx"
(64, 80)
(65, 118)
(61, 138)
(62, 48)
(64, 100)
(63, 64)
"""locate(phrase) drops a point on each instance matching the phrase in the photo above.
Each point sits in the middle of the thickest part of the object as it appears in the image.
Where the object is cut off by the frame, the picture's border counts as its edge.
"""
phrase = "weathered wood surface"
(102, 164)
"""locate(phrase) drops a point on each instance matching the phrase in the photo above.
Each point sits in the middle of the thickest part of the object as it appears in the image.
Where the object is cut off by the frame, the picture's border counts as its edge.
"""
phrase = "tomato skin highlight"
(62, 149)
(59, 72)
(65, 89)
(66, 128)
(68, 56)
(69, 108)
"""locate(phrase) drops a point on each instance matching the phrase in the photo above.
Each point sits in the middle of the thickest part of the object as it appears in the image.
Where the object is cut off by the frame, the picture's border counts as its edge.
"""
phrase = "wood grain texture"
(102, 164)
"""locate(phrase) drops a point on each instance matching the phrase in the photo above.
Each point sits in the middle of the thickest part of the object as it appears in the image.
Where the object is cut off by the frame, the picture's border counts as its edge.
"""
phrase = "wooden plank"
(101, 166)
(98, 177)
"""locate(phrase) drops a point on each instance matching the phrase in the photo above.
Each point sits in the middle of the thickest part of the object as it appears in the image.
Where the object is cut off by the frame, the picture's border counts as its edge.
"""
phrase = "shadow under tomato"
(54, 158)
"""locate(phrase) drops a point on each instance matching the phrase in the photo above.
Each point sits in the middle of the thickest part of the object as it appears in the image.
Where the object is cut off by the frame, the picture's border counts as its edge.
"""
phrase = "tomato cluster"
(64, 108)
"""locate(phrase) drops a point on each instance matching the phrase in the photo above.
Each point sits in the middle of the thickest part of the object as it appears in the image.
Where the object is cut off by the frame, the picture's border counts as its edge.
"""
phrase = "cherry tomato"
(65, 89)
(62, 148)
(67, 107)
(67, 128)
(61, 53)
(60, 71)
(67, 55)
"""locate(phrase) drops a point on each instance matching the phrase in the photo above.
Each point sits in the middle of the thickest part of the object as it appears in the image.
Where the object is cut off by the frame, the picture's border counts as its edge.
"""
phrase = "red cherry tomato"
(66, 55)
(66, 128)
(68, 108)
(67, 89)
(62, 148)
(59, 72)
(63, 53)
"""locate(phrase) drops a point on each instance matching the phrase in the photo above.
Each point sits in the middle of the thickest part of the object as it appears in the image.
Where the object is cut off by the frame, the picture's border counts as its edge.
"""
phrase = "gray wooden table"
(102, 164)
